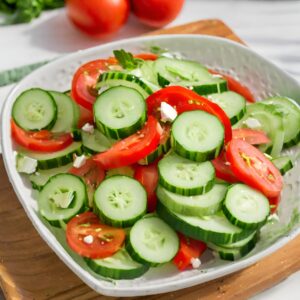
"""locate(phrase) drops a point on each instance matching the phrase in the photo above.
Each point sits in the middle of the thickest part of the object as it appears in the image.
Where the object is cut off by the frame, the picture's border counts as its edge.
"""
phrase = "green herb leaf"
(126, 59)
(158, 50)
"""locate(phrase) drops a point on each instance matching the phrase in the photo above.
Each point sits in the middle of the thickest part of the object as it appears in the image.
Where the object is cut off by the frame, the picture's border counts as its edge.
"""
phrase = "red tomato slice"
(133, 148)
(188, 249)
(223, 170)
(251, 136)
(274, 203)
(90, 172)
(106, 240)
(146, 56)
(43, 141)
(252, 167)
(183, 100)
(148, 177)
(84, 81)
(236, 86)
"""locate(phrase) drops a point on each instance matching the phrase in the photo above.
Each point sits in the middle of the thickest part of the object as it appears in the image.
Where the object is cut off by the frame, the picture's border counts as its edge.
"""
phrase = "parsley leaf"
(126, 59)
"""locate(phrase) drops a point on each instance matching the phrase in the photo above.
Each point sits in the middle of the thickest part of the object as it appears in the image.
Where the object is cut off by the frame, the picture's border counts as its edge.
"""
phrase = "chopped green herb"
(158, 50)
(126, 59)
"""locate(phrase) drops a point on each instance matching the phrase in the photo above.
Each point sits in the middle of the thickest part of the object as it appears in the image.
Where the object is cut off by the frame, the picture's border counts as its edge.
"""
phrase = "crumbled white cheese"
(252, 123)
(79, 161)
(26, 164)
(89, 128)
(195, 262)
(273, 217)
(137, 72)
(167, 112)
(88, 239)
(63, 199)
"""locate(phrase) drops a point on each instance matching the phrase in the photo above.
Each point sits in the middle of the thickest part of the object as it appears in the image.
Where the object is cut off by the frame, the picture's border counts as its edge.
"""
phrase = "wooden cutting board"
(30, 270)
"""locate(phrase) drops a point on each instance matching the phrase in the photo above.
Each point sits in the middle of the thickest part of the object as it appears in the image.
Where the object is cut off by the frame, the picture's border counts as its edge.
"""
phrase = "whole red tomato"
(98, 17)
(156, 13)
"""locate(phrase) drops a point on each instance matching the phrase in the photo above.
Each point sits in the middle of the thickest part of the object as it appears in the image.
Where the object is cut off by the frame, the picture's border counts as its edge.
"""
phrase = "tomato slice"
(223, 169)
(146, 56)
(252, 167)
(43, 141)
(133, 148)
(183, 100)
(106, 240)
(274, 203)
(188, 249)
(236, 86)
(84, 81)
(148, 177)
(251, 136)
(90, 172)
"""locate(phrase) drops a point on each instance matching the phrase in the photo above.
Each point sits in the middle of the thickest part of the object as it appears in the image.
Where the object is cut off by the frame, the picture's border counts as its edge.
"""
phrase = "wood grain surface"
(30, 270)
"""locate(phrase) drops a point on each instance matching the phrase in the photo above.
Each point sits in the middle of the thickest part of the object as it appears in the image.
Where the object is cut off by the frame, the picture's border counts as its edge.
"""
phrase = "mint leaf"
(126, 59)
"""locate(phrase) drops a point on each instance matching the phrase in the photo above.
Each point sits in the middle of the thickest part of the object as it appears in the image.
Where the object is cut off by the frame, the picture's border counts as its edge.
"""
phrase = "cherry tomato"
(188, 249)
(98, 17)
(252, 167)
(133, 148)
(157, 13)
(236, 86)
(251, 136)
(43, 141)
(223, 169)
(183, 100)
(83, 84)
(148, 177)
(106, 240)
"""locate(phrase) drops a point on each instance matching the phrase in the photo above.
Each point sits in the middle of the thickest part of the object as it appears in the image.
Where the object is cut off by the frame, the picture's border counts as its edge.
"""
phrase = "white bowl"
(263, 78)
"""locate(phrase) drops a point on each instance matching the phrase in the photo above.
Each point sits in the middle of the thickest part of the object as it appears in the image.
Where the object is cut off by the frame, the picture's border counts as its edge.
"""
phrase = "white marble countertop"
(269, 27)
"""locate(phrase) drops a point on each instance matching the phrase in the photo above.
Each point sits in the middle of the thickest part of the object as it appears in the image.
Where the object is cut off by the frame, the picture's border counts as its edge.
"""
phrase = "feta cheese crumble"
(89, 128)
(63, 199)
(79, 161)
(88, 239)
(26, 164)
(167, 112)
(252, 123)
(195, 262)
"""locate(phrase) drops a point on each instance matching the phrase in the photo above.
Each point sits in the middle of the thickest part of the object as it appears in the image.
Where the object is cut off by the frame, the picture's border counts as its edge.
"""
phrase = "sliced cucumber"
(40, 178)
(120, 201)
(62, 197)
(203, 205)
(148, 72)
(152, 242)
(185, 177)
(234, 253)
(197, 135)
(67, 113)
(232, 103)
(270, 121)
(95, 142)
(245, 207)
(119, 112)
(242, 242)
(215, 229)
(111, 79)
(189, 74)
(55, 159)
(118, 266)
(283, 164)
(290, 111)
(35, 109)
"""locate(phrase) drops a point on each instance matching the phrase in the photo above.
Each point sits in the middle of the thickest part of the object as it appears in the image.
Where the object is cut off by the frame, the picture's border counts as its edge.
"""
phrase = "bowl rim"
(58, 249)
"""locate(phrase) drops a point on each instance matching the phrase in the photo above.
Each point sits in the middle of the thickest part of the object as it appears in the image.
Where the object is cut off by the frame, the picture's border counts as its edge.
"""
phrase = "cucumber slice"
(215, 229)
(185, 177)
(189, 74)
(35, 109)
(283, 164)
(40, 178)
(67, 113)
(120, 201)
(55, 159)
(245, 207)
(242, 242)
(234, 253)
(203, 205)
(63, 197)
(119, 112)
(232, 103)
(111, 79)
(152, 242)
(118, 266)
(271, 122)
(95, 142)
(290, 111)
(197, 135)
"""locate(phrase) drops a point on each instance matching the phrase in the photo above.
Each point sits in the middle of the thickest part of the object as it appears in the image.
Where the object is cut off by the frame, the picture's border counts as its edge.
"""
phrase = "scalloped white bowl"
(262, 77)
